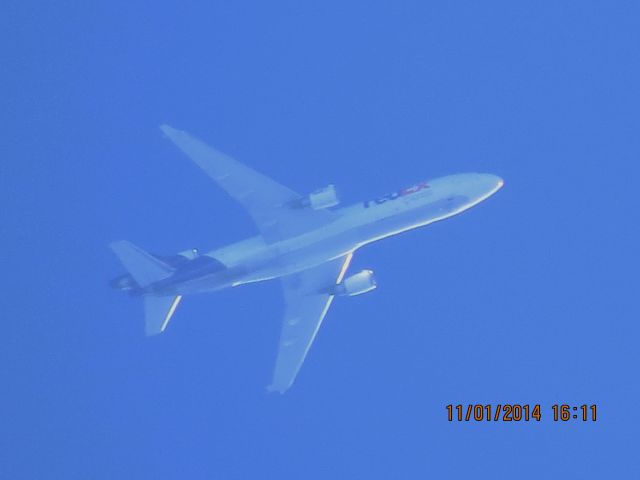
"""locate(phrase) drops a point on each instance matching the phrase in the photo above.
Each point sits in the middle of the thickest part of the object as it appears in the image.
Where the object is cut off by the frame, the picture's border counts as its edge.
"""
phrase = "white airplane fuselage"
(253, 260)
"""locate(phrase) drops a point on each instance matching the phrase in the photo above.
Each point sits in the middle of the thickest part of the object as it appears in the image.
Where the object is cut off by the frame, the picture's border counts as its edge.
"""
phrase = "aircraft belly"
(412, 218)
(294, 260)
(206, 283)
(298, 254)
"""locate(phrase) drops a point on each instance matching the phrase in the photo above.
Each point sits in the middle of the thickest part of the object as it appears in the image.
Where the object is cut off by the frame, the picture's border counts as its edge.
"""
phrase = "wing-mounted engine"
(319, 199)
(357, 284)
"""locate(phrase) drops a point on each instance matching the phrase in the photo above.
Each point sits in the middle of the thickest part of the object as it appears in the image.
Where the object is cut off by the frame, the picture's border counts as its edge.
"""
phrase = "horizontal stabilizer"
(143, 267)
(158, 311)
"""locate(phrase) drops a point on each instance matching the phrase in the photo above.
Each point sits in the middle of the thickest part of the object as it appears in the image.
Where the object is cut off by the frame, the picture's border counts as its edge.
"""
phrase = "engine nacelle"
(361, 282)
(189, 254)
(324, 198)
(320, 199)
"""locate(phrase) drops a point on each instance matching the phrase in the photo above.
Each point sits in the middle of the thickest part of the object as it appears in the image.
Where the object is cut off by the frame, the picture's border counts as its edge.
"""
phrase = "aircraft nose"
(484, 185)
(492, 182)
(474, 184)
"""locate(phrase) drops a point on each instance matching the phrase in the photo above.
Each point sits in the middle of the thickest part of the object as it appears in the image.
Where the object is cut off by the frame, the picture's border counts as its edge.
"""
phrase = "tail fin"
(158, 311)
(145, 270)
(143, 267)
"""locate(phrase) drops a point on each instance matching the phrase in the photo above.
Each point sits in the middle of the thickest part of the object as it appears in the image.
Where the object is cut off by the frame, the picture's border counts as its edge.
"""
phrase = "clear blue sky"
(531, 297)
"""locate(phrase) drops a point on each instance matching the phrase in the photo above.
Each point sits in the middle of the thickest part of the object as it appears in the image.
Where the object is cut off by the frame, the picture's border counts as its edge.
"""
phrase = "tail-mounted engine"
(361, 282)
(320, 199)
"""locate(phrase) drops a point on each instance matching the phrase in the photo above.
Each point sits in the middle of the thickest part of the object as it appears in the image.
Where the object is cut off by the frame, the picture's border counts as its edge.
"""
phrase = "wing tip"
(168, 130)
(274, 388)
(117, 243)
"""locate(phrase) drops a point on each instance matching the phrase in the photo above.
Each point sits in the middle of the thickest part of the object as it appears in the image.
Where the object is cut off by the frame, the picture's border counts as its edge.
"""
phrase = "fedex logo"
(401, 193)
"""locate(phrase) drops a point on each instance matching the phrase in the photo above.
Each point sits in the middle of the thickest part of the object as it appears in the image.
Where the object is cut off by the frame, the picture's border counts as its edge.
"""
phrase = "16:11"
(566, 412)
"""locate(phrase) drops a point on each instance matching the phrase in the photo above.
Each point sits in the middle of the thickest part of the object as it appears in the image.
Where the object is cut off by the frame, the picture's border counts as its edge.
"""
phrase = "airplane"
(304, 241)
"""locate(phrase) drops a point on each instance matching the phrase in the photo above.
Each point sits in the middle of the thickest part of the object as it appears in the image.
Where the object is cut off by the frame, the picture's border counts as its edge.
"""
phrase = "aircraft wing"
(268, 202)
(306, 306)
